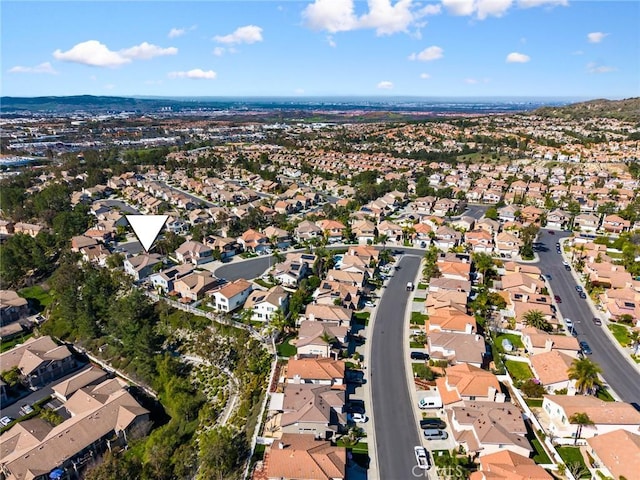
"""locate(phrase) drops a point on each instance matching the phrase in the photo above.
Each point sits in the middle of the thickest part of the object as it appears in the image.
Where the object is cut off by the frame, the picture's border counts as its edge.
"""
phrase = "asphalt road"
(617, 372)
(125, 208)
(247, 269)
(476, 211)
(395, 425)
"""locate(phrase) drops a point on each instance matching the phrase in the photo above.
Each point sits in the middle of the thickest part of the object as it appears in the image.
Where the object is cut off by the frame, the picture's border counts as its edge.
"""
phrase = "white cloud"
(330, 15)
(196, 74)
(470, 81)
(385, 85)
(577, 52)
(45, 67)
(425, 76)
(515, 57)
(492, 8)
(596, 37)
(332, 43)
(386, 18)
(428, 54)
(97, 54)
(593, 67)
(147, 51)
(539, 3)
(218, 51)
(460, 7)
(176, 32)
(247, 34)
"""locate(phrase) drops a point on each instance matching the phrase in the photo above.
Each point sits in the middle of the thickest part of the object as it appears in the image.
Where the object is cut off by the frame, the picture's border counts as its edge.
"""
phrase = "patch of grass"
(603, 394)
(518, 370)
(9, 344)
(360, 447)
(540, 455)
(285, 349)
(422, 286)
(516, 340)
(416, 345)
(533, 402)
(38, 297)
(417, 299)
(620, 332)
(423, 371)
(362, 318)
(263, 283)
(418, 318)
(573, 455)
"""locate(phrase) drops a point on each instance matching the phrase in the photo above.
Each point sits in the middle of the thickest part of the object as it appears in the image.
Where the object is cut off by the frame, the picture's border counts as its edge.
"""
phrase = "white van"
(435, 434)
(430, 402)
(409, 286)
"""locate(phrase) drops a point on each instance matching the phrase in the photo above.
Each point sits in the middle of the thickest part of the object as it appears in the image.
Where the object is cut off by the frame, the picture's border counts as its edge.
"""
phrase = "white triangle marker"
(147, 227)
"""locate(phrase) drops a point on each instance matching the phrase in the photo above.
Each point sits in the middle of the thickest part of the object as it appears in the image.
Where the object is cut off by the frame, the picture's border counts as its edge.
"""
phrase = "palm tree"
(483, 263)
(634, 340)
(585, 373)
(535, 318)
(581, 419)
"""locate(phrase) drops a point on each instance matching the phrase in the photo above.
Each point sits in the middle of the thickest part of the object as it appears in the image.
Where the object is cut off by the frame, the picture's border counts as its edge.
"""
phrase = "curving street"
(621, 376)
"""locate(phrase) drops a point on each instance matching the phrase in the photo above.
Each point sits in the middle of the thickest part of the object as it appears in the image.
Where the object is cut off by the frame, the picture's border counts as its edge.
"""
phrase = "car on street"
(567, 268)
(578, 288)
(419, 356)
(422, 457)
(597, 321)
(4, 421)
(432, 423)
(357, 417)
(26, 409)
(557, 298)
(369, 303)
(585, 348)
(551, 232)
(582, 295)
(569, 323)
(548, 277)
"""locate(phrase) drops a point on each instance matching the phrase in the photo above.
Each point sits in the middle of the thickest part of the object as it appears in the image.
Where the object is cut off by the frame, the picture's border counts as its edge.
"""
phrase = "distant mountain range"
(627, 109)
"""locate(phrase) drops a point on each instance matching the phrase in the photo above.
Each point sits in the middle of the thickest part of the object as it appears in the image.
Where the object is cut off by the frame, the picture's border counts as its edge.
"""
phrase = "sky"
(562, 48)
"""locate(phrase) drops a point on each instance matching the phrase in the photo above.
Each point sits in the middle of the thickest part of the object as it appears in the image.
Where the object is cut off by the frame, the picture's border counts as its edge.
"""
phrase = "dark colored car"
(567, 268)
(557, 298)
(586, 349)
(583, 295)
(597, 321)
(355, 406)
(578, 288)
(551, 232)
(419, 356)
(432, 423)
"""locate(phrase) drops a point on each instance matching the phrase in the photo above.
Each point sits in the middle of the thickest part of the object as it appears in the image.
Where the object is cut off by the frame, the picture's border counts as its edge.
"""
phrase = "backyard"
(574, 461)
(285, 349)
(620, 332)
(518, 370)
(38, 297)
(418, 318)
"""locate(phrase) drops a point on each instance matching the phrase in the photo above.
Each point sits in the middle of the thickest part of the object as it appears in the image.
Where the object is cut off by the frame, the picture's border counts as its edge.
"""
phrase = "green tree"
(221, 451)
(581, 419)
(492, 213)
(484, 264)
(115, 467)
(535, 318)
(585, 373)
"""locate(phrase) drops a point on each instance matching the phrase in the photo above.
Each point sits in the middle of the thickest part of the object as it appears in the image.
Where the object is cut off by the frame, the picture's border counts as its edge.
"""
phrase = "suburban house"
(364, 231)
(587, 222)
(356, 279)
(141, 266)
(328, 293)
(13, 307)
(507, 245)
(317, 371)
(551, 369)
(40, 361)
(392, 231)
(464, 382)
(616, 453)
(452, 319)
(265, 303)
(103, 417)
(537, 341)
(313, 336)
(558, 219)
(277, 236)
(194, 252)
(481, 241)
(457, 347)
(606, 416)
(88, 376)
(254, 241)
(333, 230)
(163, 281)
(289, 272)
(296, 456)
(441, 284)
(195, 285)
(328, 313)
(306, 231)
(615, 224)
(508, 465)
(486, 428)
(446, 238)
(231, 296)
(309, 408)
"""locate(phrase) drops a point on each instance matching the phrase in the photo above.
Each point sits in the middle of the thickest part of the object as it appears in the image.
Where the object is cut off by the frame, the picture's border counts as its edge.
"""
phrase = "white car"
(422, 457)
(569, 323)
(369, 304)
(5, 421)
(357, 417)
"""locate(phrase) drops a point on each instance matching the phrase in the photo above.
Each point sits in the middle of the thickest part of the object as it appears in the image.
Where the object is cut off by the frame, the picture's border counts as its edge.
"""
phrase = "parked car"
(585, 348)
(582, 295)
(597, 321)
(578, 288)
(432, 423)
(26, 409)
(569, 323)
(422, 457)
(547, 276)
(6, 421)
(551, 232)
(419, 356)
(369, 303)
(435, 434)
(357, 417)
(567, 268)
(355, 406)
(557, 298)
